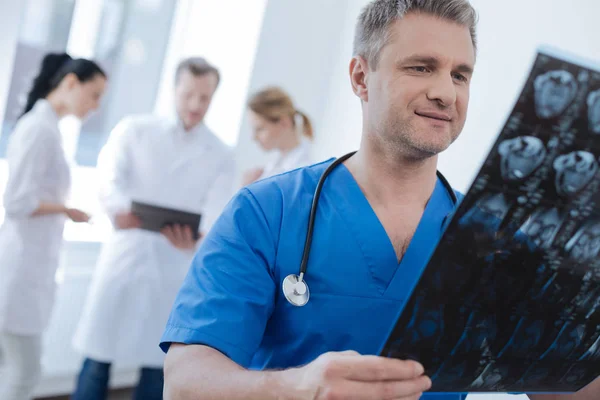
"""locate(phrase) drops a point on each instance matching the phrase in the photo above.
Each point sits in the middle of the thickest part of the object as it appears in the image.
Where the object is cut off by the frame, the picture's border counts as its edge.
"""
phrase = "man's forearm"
(590, 392)
(202, 373)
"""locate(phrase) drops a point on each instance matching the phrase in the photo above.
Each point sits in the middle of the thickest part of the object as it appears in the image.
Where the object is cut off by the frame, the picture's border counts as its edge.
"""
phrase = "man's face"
(193, 94)
(416, 98)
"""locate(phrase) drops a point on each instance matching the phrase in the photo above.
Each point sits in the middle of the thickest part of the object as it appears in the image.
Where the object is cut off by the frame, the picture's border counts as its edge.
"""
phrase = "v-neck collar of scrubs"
(392, 279)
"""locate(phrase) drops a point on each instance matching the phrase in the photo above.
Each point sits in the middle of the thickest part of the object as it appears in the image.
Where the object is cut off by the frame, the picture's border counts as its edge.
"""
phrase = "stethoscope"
(294, 286)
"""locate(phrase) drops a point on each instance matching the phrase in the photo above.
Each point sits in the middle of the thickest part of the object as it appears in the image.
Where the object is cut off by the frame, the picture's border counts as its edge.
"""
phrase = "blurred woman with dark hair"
(35, 213)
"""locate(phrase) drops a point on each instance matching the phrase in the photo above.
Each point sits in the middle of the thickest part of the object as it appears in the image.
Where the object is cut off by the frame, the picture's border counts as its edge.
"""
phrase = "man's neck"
(390, 181)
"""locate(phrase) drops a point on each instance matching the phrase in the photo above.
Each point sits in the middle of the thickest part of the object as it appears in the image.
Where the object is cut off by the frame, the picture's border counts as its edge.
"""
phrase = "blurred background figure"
(35, 204)
(278, 126)
(170, 162)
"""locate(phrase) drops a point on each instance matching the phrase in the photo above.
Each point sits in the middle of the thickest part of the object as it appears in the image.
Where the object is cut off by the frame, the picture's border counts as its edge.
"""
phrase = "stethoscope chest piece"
(295, 290)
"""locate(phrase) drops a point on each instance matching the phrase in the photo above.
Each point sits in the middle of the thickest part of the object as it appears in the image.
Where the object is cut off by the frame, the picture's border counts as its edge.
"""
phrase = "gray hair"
(197, 66)
(372, 33)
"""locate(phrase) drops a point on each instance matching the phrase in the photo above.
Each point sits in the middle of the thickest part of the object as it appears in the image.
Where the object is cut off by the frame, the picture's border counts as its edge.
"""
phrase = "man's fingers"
(412, 388)
(135, 221)
(168, 232)
(374, 368)
(177, 233)
(413, 397)
(349, 353)
(386, 390)
(187, 233)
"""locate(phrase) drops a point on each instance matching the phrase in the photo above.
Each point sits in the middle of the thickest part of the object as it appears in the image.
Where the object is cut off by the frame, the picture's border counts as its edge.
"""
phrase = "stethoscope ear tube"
(313, 211)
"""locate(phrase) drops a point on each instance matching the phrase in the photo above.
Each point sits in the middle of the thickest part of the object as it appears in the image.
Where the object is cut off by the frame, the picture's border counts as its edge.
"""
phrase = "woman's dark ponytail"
(55, 66)
(42, 84)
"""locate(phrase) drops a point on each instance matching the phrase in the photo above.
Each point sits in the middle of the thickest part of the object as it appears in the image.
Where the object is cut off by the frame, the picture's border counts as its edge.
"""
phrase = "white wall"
(10, 17)
(341, 119)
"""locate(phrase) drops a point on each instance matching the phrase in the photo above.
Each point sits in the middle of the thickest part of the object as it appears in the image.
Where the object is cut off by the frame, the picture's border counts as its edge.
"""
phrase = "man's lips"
(434, 115)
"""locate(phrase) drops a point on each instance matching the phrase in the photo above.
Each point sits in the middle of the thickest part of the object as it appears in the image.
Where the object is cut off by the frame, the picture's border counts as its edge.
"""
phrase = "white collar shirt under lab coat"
(296, 158)
(138, 275)
(30, 246)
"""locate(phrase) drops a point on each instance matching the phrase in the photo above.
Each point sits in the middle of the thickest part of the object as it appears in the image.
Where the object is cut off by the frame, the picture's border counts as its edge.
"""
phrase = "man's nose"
(195, 104)
(442, 90)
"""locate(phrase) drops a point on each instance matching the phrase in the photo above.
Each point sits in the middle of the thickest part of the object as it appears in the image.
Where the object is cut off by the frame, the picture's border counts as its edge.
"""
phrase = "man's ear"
(358, 77)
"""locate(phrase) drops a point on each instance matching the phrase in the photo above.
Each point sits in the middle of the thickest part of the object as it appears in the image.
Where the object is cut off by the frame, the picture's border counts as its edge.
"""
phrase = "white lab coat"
(298, 157)
(30, 246)
(138, 275)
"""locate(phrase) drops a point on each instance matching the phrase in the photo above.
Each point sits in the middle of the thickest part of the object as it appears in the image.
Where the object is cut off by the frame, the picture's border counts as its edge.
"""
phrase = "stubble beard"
(399, 139)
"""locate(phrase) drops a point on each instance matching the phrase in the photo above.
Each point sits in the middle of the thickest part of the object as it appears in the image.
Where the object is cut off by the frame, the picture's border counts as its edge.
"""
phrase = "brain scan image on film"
(479, 331)
(593, 103)
(520, 156)
(496, 377)
(553, 92)
(578, 373)
(427, 326)
(526, 338)
(593, 353)
(569, 339)
(538, 373)
(574, 171)
(489, 379)
(542, 226)
(456, 371)
(587, 301)
(426, 332)
(488, 211)
(585, 244)
(543, 278)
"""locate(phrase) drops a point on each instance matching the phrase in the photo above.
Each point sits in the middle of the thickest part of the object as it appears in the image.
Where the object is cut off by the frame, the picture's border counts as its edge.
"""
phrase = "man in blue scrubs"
(233, 335)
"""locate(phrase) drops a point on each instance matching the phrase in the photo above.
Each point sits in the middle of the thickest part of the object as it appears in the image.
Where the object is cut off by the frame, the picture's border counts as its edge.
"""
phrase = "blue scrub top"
(232, 300)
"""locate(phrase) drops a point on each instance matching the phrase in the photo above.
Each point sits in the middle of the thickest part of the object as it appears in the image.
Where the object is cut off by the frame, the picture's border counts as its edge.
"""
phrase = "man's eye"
(460, 77)
(420, 69)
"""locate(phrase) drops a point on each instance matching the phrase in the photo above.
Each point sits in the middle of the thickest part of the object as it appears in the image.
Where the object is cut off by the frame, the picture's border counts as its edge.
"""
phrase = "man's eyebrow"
(419, 59)
(465, 69)
(433, 61)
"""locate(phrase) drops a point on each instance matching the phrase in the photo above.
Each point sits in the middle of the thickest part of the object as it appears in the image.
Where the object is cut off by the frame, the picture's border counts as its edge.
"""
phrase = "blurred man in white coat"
(178, 164)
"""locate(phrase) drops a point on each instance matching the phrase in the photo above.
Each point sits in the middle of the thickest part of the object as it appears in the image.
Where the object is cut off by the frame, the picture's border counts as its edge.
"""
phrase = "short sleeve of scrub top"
(226, 291)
